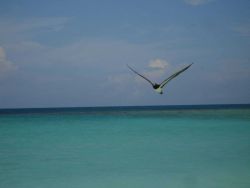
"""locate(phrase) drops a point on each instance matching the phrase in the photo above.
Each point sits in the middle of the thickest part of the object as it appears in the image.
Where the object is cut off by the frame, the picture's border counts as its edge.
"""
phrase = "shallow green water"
(126, 148)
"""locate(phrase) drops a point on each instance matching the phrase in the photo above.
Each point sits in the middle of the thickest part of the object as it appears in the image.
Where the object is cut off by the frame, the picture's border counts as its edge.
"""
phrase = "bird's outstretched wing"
(140, 75)
(174, 75)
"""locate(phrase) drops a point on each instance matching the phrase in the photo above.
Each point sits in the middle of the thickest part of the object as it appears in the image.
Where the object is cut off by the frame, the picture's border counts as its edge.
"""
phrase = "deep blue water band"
(122, 108)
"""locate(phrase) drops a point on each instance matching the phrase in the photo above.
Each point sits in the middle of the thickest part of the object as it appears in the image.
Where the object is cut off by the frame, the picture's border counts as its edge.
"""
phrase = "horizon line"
(129, 106)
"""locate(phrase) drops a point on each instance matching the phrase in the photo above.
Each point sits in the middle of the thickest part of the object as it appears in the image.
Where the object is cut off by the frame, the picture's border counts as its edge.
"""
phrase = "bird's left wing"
(174, 75)
(140, 75)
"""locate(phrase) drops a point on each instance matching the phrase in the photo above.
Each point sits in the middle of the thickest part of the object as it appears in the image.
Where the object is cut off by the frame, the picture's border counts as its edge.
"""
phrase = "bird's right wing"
(174, 75)
(140, 75)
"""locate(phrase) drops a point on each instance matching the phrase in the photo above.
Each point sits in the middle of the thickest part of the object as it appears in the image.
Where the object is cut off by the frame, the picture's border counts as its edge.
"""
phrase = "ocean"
(204, 146)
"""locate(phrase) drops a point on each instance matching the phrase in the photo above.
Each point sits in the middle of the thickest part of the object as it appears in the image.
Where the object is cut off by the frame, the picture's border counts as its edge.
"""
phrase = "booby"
(159, 87)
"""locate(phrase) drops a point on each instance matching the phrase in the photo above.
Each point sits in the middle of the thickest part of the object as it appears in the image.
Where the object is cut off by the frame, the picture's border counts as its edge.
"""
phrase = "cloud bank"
(197, 2)
(5, 65)
(158, 64)
(243, 30)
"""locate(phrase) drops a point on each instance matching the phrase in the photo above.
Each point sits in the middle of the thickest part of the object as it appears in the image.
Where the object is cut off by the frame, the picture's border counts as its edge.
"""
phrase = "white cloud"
(158, 68)
(232, 70)
(15, 30)
(5, 65)
(155, 74)
(158, 64)
(243, 30)
(120, 79)
(197, 2)
(49, 23)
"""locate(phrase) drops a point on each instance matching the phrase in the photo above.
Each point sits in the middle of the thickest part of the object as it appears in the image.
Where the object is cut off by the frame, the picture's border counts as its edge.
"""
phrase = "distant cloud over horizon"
(5, 64)
(158, 64)
(243, 30)
(197, 2)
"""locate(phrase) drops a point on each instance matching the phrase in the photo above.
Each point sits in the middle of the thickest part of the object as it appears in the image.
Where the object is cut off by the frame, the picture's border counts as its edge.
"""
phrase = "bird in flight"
(159, 87)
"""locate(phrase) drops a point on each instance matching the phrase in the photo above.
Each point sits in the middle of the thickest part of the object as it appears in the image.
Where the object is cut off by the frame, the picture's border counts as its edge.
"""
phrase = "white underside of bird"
(159, 90)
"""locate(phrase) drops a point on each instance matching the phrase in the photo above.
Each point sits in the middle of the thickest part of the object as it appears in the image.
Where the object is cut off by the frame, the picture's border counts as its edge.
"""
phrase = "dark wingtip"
(190, 65)
(128, 66)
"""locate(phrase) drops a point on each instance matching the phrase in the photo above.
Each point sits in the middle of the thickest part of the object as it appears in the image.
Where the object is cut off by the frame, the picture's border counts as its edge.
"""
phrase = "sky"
(74, 53)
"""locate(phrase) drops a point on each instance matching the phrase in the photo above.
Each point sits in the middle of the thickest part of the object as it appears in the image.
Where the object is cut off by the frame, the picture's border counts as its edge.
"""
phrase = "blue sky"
(74, 53)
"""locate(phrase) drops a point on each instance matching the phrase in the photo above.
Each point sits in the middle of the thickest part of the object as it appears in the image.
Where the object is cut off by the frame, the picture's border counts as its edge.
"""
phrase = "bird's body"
(159, 87)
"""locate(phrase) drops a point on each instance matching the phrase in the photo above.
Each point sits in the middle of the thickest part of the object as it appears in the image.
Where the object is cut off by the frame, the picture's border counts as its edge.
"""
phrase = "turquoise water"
(125, 147)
